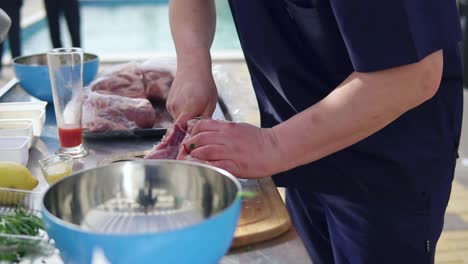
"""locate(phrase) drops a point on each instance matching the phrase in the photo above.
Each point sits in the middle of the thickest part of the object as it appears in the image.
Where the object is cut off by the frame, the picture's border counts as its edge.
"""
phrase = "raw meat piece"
(104, 112)
(171, 146)
(184, 153)
(157, 84)
(126, 82)
(168, 148)
(134, 80)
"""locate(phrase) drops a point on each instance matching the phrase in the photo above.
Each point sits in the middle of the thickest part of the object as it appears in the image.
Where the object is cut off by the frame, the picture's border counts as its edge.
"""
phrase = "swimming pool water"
(122, 28)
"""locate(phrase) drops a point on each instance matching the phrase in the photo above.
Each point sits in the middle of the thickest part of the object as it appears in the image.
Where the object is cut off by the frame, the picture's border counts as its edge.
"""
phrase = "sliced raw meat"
(104, 112)
(184, 153)
(126, 82)
(168, 148)
(157, 84)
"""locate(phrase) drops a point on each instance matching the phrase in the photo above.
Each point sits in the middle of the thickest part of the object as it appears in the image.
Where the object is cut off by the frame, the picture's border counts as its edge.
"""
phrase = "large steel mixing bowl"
(157, 211)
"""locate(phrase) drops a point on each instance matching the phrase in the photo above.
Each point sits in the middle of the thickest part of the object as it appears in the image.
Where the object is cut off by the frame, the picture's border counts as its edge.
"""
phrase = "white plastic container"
(17, 127)
(34, 111)
(14, 149)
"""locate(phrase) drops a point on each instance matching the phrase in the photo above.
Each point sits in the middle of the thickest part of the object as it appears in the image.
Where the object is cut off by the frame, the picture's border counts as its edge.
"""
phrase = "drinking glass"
(66, 78)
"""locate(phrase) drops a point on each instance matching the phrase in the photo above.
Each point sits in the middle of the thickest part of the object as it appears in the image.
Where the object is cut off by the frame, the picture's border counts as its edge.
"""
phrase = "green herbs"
(17, 232)
(20, 223)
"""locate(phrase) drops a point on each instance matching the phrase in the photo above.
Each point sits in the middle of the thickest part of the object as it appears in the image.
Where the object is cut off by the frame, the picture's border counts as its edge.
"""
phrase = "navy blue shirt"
(298, 51)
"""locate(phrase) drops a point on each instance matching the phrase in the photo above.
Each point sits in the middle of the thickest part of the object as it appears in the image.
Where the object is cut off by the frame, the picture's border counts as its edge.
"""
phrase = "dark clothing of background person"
(12, 8)
(71, 11)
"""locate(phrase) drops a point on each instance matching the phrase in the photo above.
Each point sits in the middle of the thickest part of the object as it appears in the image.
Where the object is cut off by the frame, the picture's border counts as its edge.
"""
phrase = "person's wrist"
(279, 158)
(191, 60)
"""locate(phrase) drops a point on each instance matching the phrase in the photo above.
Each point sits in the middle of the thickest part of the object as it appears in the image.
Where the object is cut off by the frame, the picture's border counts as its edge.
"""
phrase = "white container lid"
(17, 127)
(34, 111)
(40, 105)
(14, 149)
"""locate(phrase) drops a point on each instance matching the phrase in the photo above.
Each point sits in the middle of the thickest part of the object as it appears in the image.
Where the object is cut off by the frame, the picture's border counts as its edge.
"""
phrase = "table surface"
(287, 248)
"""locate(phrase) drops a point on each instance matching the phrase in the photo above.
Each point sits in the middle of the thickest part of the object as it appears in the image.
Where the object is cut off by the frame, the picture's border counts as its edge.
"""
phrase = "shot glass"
(66, 78)
(56, 167)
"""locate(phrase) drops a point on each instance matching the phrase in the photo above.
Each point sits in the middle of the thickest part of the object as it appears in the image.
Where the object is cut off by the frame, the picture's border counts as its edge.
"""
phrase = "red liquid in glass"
(70, 136)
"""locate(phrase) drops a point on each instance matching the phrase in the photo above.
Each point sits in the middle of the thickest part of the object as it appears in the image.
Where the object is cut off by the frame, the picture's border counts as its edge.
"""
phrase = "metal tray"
(156, 132)
(137, 132)
(221, 112)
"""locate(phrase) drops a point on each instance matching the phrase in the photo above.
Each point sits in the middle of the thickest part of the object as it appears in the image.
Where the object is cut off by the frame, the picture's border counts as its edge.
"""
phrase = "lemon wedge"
(16, 176)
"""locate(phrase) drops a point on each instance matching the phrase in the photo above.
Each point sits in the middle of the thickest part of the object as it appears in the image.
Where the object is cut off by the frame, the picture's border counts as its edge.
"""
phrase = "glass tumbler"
(66, 78)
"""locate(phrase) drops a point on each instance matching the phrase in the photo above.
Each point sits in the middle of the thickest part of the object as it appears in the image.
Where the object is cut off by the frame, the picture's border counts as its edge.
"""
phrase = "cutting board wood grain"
(263, 217)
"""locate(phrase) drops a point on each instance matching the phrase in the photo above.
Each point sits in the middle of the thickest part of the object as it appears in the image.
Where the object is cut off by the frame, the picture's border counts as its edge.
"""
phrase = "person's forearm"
(193, 24)
(363, 104)
(5, 24)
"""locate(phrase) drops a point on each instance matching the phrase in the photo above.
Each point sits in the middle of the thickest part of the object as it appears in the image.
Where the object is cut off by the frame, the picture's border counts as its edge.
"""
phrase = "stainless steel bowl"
(141, 197)
(142, 211)
(41, 59)
(33, 73)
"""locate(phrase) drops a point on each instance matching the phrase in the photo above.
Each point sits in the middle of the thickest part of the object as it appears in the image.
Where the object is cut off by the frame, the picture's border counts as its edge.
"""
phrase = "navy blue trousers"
(338, 230)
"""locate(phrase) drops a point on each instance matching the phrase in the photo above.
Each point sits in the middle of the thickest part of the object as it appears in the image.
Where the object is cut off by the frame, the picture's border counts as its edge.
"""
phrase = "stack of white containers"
(21, 123)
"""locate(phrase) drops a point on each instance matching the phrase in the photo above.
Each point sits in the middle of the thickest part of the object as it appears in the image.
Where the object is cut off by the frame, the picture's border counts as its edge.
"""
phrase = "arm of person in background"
(5, 23)
(193, 92)
(361, 105)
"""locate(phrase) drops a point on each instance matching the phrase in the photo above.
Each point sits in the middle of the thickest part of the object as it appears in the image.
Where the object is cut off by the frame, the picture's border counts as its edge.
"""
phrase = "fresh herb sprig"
(23, 223)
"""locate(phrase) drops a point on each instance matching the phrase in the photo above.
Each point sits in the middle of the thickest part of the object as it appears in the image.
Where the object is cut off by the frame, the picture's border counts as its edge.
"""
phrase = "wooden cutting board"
(262, 218)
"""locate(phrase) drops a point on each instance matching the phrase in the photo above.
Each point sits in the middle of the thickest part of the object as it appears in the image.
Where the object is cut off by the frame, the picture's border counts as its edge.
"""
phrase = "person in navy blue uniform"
(361, 108)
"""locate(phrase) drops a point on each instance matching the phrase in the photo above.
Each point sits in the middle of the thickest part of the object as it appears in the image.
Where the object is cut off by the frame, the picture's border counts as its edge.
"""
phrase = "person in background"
(12, 8)
(361, 105)
(71, 11)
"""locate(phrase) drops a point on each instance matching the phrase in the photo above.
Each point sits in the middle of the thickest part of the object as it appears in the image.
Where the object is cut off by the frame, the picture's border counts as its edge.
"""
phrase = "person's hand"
(244, 150)
(193, 93)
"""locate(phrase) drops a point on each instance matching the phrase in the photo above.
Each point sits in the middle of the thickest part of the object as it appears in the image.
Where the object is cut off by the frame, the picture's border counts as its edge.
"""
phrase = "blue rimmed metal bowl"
(154, 211)
(33, 73)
